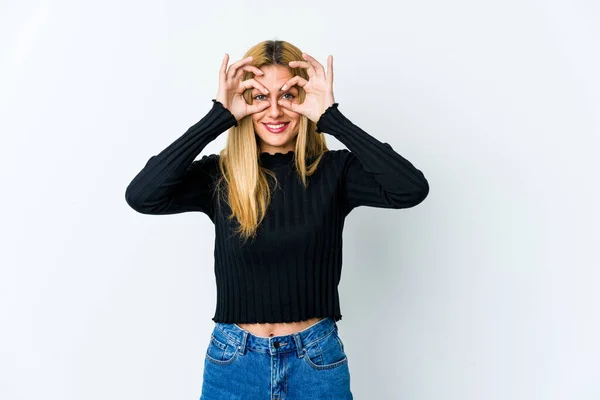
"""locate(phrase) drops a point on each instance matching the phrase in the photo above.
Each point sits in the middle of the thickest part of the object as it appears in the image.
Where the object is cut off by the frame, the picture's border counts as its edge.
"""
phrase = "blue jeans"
(309, 364)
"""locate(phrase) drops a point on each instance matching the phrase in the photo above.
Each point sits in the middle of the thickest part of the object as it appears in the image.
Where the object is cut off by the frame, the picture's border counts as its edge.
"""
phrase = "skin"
(273, 78)
(279, 102)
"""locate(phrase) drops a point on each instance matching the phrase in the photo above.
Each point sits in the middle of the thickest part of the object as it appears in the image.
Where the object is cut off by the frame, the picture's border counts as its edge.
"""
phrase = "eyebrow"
(287, 90)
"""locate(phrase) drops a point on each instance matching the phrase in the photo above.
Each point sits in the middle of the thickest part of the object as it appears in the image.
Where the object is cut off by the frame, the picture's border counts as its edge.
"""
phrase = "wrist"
(228, 110)
(326, 111)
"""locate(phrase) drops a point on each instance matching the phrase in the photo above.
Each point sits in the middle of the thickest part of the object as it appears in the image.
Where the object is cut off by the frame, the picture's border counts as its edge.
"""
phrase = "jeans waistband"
(277, 344)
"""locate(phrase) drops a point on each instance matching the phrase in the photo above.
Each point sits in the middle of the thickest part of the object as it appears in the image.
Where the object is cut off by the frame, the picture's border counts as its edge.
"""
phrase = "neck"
(277, 159)
(277, 151)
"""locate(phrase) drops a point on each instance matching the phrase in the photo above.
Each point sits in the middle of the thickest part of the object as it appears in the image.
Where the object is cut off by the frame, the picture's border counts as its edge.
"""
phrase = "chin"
(276, 144)
(275, 140)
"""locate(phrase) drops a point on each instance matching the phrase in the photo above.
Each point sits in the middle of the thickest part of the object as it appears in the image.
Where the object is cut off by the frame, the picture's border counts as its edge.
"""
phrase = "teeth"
(275, 126)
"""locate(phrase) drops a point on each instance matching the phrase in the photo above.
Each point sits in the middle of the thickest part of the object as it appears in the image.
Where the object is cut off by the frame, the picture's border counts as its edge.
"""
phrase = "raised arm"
(374, 174)
(172, 182)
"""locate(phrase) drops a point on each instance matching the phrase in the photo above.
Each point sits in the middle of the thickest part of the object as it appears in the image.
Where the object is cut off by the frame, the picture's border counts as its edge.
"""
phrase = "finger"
(287, 104)
(296, 80)
(263, 105)
(247, 68)
(330, 69)
(256, 70)
(233, 68)
(251, 83)
(224, 67)
(316, 65)
(304, 64)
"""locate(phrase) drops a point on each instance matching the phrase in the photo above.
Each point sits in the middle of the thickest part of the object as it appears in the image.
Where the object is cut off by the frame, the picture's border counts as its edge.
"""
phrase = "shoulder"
(208, 164)
(338, 158)
(344, 161)
(335, 161)
(337, 155)
(209, 159)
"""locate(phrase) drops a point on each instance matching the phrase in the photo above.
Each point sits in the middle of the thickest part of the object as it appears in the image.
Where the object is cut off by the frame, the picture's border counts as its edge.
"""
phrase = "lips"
(276, 128)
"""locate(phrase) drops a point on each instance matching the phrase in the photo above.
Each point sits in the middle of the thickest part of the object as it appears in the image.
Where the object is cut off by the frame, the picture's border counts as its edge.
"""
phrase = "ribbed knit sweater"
(291, 270)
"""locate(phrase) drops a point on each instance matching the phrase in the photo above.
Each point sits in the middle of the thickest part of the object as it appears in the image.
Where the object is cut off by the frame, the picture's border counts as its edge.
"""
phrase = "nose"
(275, 109)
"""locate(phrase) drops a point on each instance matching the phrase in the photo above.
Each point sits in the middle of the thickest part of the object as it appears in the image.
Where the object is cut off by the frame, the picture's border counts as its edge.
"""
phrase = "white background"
(487, 290)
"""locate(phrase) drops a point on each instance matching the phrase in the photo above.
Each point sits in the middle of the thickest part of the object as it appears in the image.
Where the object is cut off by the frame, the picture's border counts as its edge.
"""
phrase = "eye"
(291, 96)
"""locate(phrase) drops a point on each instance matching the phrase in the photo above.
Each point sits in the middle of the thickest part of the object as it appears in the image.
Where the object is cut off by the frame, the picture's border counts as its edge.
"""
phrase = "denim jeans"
(305, 365)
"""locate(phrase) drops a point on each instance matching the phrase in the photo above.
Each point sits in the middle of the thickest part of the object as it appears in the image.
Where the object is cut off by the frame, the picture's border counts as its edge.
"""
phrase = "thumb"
(287, 104)
(259, 107)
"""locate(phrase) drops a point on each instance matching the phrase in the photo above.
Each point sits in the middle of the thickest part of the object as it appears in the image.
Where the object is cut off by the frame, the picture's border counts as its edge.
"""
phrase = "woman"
(278, 199)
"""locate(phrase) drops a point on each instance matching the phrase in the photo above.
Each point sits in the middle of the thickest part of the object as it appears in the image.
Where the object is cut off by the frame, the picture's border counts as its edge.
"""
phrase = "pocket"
(221, 350)
(326, 353)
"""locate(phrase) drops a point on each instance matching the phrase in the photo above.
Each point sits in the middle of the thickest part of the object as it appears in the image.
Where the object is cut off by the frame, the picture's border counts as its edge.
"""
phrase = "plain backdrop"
(488, 290)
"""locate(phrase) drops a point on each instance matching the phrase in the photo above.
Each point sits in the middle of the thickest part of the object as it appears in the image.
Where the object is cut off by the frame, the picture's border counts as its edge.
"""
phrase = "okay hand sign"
(318, 88)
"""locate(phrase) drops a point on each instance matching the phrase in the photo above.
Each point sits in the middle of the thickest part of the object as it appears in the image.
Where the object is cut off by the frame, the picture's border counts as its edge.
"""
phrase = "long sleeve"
(172, 182)
(374, 174)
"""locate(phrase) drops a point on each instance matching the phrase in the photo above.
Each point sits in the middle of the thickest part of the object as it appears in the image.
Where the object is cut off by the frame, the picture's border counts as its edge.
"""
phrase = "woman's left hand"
(318, 88)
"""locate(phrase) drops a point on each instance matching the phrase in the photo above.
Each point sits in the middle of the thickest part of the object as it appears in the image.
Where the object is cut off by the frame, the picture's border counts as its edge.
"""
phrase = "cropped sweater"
(291, 269)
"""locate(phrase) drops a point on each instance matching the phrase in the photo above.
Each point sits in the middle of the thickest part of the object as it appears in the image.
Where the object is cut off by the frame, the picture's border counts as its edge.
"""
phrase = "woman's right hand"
(231, 88)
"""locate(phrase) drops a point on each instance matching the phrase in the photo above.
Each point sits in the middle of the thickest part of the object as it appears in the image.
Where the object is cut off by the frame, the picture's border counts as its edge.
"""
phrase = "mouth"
(276, 128)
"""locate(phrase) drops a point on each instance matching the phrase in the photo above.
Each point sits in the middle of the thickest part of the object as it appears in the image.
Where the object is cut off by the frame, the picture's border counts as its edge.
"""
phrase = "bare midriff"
(278, 329)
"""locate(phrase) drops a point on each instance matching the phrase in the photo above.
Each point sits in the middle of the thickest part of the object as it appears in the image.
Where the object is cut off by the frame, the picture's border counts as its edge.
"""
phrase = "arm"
(374, 174)
(172, 182)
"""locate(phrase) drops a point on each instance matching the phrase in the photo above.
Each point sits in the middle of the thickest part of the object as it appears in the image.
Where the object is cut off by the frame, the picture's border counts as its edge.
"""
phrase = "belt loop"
(299, 348)
(243, 344)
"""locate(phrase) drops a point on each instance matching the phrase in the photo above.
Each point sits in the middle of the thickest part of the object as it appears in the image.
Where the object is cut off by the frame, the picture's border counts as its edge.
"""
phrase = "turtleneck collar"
(278, 159)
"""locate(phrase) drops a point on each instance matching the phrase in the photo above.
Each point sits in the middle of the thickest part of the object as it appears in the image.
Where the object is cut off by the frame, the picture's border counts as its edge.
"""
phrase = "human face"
(275, 140)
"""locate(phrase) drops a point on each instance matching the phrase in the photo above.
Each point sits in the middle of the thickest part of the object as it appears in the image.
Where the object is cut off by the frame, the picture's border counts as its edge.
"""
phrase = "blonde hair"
(248, 192)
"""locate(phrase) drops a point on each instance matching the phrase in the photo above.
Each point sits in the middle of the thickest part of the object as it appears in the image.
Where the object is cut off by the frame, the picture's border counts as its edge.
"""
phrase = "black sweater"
(291, 270)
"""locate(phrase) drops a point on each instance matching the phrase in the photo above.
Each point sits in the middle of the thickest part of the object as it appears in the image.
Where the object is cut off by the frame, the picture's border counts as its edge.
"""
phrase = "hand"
(231, 88)
(318, 88)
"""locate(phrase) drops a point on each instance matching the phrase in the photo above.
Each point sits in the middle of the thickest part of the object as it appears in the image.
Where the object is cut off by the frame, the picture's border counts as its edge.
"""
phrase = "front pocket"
(325, 353)
(221, 350)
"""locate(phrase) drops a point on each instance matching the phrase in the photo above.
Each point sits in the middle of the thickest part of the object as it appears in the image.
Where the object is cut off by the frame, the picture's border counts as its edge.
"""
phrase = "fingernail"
(283, 87)
(266, 90)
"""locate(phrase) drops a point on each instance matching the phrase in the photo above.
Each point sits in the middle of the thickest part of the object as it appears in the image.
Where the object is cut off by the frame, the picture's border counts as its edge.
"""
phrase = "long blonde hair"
(248, 192)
